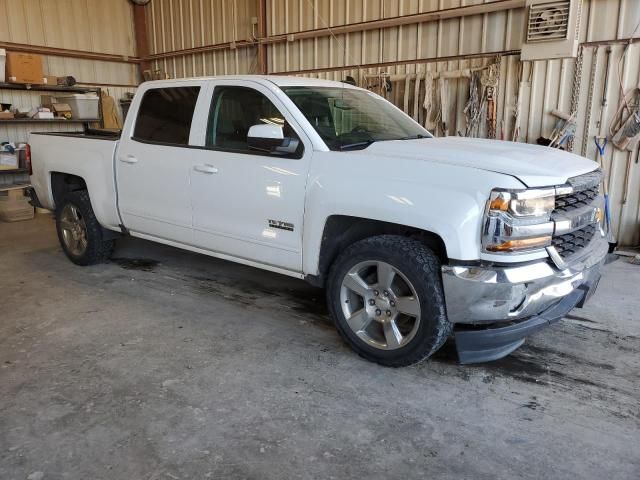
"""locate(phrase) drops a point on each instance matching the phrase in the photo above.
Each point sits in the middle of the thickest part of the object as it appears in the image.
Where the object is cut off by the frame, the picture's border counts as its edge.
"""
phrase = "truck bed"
(88, 155)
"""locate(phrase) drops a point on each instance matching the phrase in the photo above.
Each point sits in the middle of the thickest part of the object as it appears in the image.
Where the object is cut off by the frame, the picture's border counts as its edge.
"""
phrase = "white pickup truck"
(415, 238)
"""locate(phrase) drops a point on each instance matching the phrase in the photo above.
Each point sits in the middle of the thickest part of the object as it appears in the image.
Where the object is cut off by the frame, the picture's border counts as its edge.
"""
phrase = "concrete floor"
(169, 365)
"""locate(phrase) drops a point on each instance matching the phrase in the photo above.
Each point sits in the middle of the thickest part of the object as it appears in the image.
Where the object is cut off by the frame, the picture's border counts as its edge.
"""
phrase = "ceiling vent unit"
(552, 29)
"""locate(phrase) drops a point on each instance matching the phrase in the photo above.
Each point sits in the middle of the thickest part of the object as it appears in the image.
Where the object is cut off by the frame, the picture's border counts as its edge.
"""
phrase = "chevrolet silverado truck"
(414, 238)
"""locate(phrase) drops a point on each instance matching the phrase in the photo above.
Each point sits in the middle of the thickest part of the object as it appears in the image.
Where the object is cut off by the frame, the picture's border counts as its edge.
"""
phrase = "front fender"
(443, 199)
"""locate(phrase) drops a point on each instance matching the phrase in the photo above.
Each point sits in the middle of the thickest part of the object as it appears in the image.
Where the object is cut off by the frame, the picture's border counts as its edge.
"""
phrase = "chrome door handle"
(205, 169)
(129, 159)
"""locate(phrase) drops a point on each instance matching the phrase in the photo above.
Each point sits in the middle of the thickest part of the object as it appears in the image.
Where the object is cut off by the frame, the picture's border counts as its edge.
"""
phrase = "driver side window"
(233, 111)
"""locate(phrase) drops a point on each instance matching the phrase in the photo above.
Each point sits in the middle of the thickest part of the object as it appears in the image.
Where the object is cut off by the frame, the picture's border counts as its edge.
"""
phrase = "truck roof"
(280, 80)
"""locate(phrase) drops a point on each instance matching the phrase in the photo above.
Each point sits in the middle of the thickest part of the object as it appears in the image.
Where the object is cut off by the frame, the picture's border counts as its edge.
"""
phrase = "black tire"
(422, 268)
(98, 248)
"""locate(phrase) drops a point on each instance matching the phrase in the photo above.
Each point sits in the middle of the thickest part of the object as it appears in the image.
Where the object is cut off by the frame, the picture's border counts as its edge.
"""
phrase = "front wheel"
(385, 295)
(79, 232)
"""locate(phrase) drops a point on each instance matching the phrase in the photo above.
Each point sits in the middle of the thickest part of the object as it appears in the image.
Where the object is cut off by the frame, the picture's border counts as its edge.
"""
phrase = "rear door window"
(165, 115)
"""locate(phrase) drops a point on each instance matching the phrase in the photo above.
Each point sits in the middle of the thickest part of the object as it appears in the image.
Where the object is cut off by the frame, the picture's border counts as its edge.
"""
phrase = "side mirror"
(270, 138)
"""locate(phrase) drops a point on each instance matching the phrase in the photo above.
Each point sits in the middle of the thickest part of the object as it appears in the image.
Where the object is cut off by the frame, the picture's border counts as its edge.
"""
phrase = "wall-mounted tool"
(383, 84)
(625, 125)
(490, 79)
(606, 78)
(473, 108)
(491, 112)
(601, 143)
(563, 130)
(443, 85)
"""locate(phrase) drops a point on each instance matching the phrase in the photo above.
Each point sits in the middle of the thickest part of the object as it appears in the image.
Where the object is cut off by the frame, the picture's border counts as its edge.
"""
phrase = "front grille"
(570, 243)
(571, 201)
(585, 190)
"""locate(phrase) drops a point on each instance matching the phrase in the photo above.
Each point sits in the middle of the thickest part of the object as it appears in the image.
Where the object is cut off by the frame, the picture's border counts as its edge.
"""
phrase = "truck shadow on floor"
(534, 363)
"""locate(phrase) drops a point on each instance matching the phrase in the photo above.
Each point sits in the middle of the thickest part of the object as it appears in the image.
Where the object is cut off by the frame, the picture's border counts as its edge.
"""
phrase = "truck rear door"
(153, 162)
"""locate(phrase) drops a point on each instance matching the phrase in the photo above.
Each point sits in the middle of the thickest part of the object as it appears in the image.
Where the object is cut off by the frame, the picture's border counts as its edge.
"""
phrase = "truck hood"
(533, 165)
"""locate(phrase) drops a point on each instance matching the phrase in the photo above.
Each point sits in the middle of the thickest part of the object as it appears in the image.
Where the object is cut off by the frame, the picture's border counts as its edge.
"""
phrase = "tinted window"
(233, 111)
(165, 115)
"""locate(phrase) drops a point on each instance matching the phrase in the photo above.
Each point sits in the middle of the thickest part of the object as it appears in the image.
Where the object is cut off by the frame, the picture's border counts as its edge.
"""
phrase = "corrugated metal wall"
(93, 25)
(182, 24)
(538, 87)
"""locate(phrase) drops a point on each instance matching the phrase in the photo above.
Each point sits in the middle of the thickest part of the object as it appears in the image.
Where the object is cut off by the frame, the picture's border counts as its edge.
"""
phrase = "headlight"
(518, 220)
(528, 203)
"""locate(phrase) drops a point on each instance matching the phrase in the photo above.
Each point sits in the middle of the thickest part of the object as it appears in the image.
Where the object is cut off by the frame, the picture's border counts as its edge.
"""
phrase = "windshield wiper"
(349, 146)
(413, 137)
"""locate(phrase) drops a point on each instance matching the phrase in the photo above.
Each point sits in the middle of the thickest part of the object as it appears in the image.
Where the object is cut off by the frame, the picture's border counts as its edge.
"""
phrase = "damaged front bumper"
(493, 308)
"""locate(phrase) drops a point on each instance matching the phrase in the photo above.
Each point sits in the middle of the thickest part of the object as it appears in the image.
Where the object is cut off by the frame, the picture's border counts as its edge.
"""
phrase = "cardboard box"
(6, 115)
(62, 110)
(16, 210)
(22, 112)
(47, 100)
(16, 195)
(50, 80)
(24, 68)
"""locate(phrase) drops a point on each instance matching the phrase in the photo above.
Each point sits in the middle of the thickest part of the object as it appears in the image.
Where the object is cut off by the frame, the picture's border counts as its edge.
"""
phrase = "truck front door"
(246, 203)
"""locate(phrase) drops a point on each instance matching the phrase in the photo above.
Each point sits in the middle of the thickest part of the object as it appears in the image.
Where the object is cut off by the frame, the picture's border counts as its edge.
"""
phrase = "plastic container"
(3, 62)
(83, 105)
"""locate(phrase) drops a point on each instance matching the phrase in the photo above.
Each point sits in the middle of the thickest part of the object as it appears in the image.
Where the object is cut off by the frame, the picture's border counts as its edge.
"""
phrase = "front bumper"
(523, 297)
(475, 346)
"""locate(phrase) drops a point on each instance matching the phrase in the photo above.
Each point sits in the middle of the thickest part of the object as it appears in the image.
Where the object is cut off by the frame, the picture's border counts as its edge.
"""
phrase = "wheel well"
(63, 183)
(340, 231)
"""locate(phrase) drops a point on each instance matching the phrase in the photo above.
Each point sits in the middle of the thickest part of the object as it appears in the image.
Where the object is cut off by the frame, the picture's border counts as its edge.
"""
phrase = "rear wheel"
(385, 295)
(80, 234)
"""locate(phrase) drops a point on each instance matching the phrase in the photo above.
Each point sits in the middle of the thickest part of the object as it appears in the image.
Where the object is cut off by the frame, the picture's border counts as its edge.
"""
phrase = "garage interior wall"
(87, 25)
(202, 37)
(215, 37)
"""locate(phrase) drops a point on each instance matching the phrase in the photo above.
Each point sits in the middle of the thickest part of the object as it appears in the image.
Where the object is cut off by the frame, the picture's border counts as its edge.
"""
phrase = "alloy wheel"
(380, 305)
(74, 230)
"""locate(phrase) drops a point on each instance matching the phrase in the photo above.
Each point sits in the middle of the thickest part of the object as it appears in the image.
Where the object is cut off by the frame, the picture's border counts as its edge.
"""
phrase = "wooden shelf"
(48, 120)
(45, 88)
(14, 171)
(15, 186)
(52, 88)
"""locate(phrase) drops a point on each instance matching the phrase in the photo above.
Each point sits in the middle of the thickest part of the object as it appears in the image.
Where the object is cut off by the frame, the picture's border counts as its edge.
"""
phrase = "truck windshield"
(349, 119)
